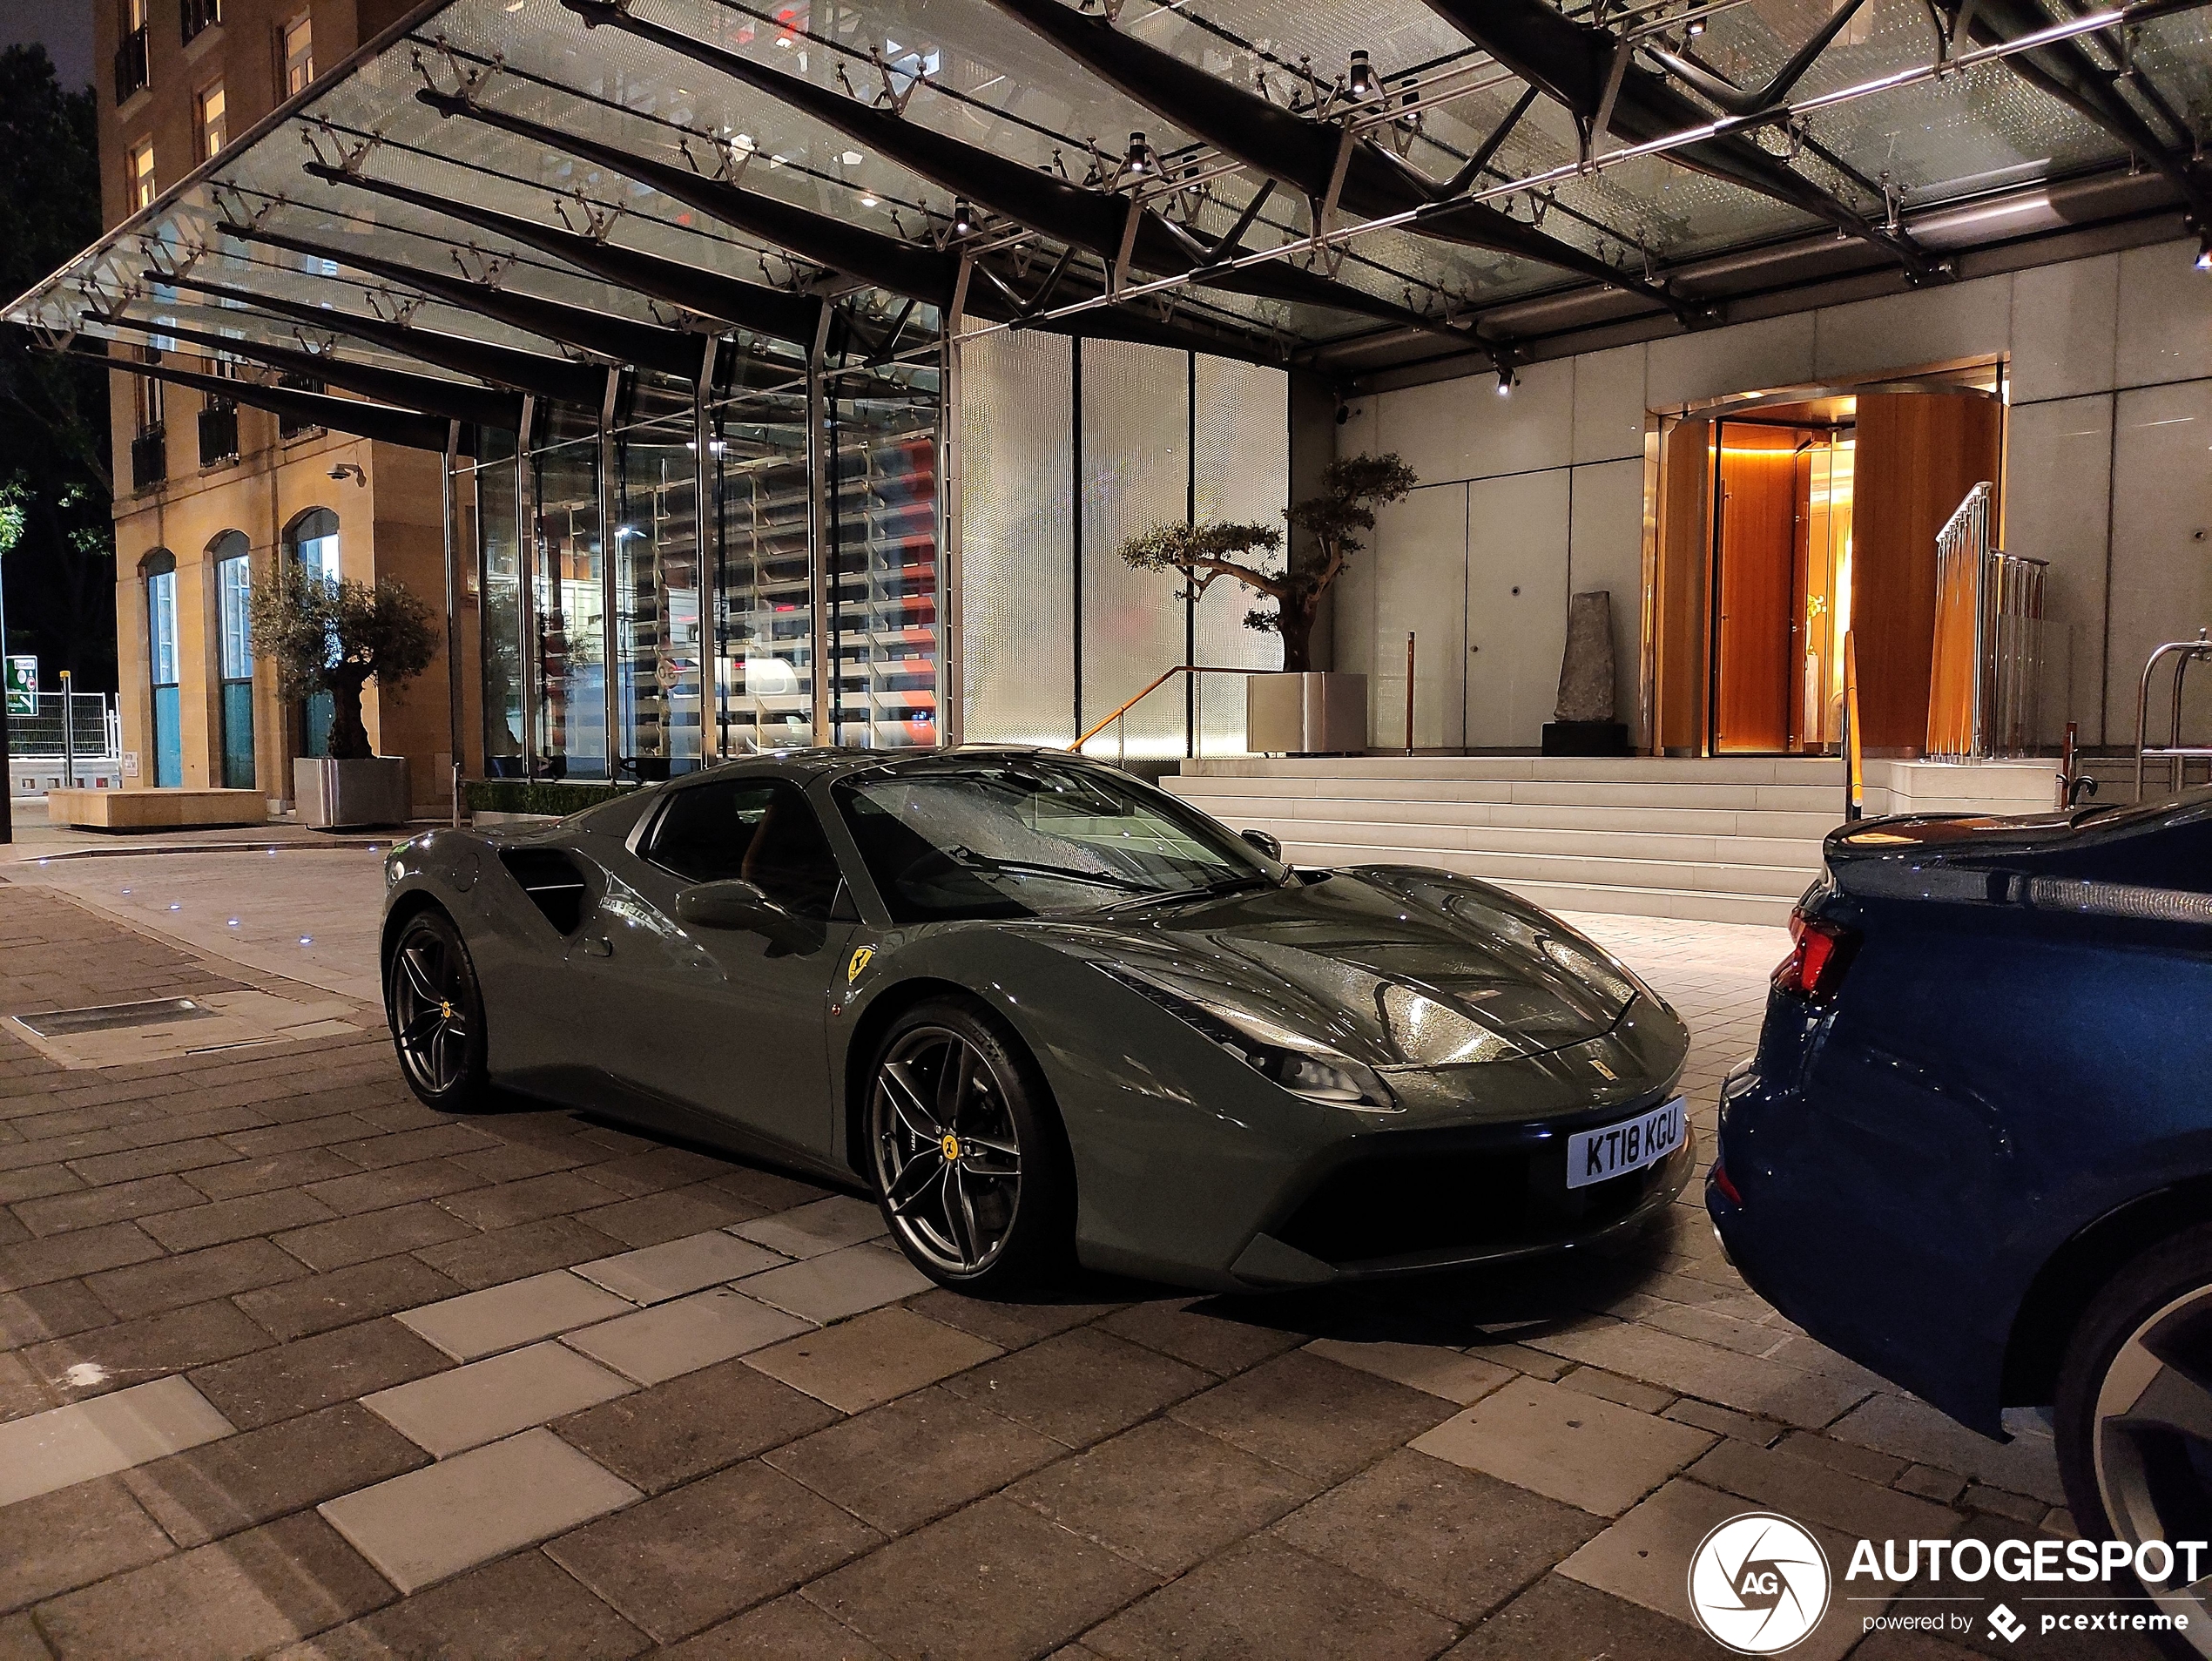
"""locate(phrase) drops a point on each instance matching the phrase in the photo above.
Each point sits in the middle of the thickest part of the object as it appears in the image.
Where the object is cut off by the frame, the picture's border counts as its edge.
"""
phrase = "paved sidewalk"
(290, 1365)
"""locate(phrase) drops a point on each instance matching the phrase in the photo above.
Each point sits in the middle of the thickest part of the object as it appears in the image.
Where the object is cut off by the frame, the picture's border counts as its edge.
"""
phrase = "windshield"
(1030, 836)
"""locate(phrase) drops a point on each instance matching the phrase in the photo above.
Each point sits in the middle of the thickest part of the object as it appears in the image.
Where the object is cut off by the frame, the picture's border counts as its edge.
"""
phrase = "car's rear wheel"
(437, 1013)
(967, 1154)
(2134, 1421)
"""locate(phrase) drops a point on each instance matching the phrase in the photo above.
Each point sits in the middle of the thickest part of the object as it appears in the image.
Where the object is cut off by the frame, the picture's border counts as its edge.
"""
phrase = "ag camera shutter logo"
(1758, 1583)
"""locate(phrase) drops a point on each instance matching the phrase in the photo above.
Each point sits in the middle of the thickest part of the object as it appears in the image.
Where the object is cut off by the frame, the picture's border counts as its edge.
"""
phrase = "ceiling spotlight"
(868, 198)
(963, 218)
(1141, 158)
(1695, 26)
(1505, 379)
(1360, 82)
(854, 158)
(1409, 116)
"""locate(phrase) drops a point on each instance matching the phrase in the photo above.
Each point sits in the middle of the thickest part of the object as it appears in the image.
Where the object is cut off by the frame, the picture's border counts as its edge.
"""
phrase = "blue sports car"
(1974, 1150)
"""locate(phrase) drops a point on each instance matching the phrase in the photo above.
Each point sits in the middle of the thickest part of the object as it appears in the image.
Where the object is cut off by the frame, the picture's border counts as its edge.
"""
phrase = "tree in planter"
(1353, 486)
(334, 638)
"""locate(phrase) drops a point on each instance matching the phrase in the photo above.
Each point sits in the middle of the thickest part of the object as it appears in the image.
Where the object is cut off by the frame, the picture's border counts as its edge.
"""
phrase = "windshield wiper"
(1204, 890)
(1035, 868)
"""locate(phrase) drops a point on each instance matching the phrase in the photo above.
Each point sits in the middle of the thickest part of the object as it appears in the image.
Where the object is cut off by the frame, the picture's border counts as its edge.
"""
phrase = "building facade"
(803, 373)
(212, 493)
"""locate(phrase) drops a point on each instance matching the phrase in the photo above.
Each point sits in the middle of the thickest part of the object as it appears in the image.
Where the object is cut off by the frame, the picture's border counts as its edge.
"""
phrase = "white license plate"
(1593, 1156)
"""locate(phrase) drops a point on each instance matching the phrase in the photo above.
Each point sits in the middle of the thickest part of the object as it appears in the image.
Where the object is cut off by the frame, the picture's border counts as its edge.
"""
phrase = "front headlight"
(1304, 1065)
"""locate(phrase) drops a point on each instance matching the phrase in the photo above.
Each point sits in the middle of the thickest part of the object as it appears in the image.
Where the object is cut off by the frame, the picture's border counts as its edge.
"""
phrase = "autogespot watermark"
(1760, 1583)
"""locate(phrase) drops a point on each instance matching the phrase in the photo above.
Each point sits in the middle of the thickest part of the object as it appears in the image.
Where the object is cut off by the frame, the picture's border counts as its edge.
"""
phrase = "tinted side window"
(763, 830)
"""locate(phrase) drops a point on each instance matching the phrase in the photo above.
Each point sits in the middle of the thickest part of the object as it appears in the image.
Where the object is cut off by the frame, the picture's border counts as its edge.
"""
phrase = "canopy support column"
(449, 507)
(706, 517)
(530, 651)
(610, 676)
(818, 461)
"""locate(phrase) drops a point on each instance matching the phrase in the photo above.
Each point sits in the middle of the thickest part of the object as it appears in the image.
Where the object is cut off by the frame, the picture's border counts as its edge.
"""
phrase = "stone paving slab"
(681, 1400)
(493, 1398)
(420, 1527)
(66, 1445)
(652, 1345)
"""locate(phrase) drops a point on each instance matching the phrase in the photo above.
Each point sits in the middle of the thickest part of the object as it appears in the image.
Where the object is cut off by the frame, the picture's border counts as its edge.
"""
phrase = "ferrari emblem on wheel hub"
(951, 1146)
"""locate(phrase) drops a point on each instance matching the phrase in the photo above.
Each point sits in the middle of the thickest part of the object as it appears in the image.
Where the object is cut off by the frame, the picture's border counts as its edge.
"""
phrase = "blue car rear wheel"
(2135, 1420)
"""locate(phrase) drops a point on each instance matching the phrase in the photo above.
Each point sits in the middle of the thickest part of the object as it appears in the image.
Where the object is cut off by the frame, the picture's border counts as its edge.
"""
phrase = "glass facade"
(808, 613)
(499, 581)
(1070, 449)
(812, 610)
(568, 602)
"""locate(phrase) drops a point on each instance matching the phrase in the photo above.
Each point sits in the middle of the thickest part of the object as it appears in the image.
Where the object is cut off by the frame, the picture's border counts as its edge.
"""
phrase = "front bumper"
(1352, 1227)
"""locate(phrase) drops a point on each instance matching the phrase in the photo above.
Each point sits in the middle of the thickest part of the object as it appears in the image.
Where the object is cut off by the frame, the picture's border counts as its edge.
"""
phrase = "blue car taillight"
(1819, 953)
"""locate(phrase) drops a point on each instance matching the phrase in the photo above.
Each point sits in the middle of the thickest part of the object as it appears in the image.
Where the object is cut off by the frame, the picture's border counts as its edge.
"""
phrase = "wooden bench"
(144, 810)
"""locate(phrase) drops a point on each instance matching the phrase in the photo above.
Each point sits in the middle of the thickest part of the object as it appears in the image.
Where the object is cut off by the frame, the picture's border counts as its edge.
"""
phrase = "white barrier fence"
(37, 758)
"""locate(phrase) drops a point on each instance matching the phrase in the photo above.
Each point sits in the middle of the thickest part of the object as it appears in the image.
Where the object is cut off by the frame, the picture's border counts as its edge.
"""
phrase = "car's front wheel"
(437, 1013)
(2135, 1424)
(966, 1153)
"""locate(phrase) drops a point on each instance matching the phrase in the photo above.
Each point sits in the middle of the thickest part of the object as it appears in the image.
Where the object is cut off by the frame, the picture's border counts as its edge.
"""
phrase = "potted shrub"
(335, 637)
(1297, 712)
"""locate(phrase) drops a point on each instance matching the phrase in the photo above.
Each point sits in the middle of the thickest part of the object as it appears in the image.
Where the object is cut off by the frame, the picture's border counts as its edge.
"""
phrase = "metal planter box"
(338, 795)
(1319, 713)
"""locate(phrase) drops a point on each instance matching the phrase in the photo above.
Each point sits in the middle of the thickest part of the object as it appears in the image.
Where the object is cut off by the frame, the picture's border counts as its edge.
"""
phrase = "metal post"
(1852, 799)
(1409, 692)
(951, 659)
(610, 674)
(703, 517)
(68, 738)
(818, 556)
(530, 658)
(447, 508)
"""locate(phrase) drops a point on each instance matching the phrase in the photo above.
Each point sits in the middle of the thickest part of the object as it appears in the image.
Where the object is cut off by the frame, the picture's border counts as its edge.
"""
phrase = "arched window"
(159, 570)
(314, 541)
(230, 554)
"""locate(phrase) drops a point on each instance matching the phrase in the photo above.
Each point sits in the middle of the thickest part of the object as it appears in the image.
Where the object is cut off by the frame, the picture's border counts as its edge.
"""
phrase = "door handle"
(595, 947)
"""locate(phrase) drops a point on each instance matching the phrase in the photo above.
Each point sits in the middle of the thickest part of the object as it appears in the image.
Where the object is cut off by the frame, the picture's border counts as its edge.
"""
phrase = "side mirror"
(1270, 845)
(733, 904)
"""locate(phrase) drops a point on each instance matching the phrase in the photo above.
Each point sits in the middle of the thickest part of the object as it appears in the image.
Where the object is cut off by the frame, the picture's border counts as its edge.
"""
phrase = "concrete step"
(1655, 903)
(1701, 876)
(1760, 798)
(1745, 770)
(1688, 822)
(1796, 854)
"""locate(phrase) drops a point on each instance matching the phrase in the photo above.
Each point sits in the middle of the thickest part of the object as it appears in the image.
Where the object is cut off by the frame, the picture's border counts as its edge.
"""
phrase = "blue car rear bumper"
(1834, 1260)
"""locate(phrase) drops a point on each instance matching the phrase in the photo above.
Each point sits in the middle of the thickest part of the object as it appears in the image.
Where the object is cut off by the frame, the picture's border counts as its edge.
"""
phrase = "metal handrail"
(1988, 658)
(2179, 754)
(1120, 715)
(1854, 772)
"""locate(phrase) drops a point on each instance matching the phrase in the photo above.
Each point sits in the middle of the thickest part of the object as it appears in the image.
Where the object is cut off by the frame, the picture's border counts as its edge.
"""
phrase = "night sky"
(65, 27)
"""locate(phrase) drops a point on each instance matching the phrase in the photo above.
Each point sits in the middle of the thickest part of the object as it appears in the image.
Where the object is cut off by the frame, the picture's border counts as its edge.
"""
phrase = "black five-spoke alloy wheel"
(2135, 1420)
(436, 1015)
(967, 1158)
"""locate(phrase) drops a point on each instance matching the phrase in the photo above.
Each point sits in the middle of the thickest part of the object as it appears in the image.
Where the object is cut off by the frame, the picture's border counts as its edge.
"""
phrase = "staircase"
(1722, 841)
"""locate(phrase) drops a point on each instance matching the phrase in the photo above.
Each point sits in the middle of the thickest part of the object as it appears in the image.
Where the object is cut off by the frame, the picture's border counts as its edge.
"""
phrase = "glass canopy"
(888, 158)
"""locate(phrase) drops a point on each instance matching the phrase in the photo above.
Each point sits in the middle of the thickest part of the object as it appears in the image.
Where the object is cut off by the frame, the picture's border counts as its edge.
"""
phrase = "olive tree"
(1353, 486)
(335, 638)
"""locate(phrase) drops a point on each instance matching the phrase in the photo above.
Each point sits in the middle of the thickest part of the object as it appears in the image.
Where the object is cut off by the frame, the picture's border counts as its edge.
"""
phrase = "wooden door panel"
(1757, 523)
(1918, 456)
